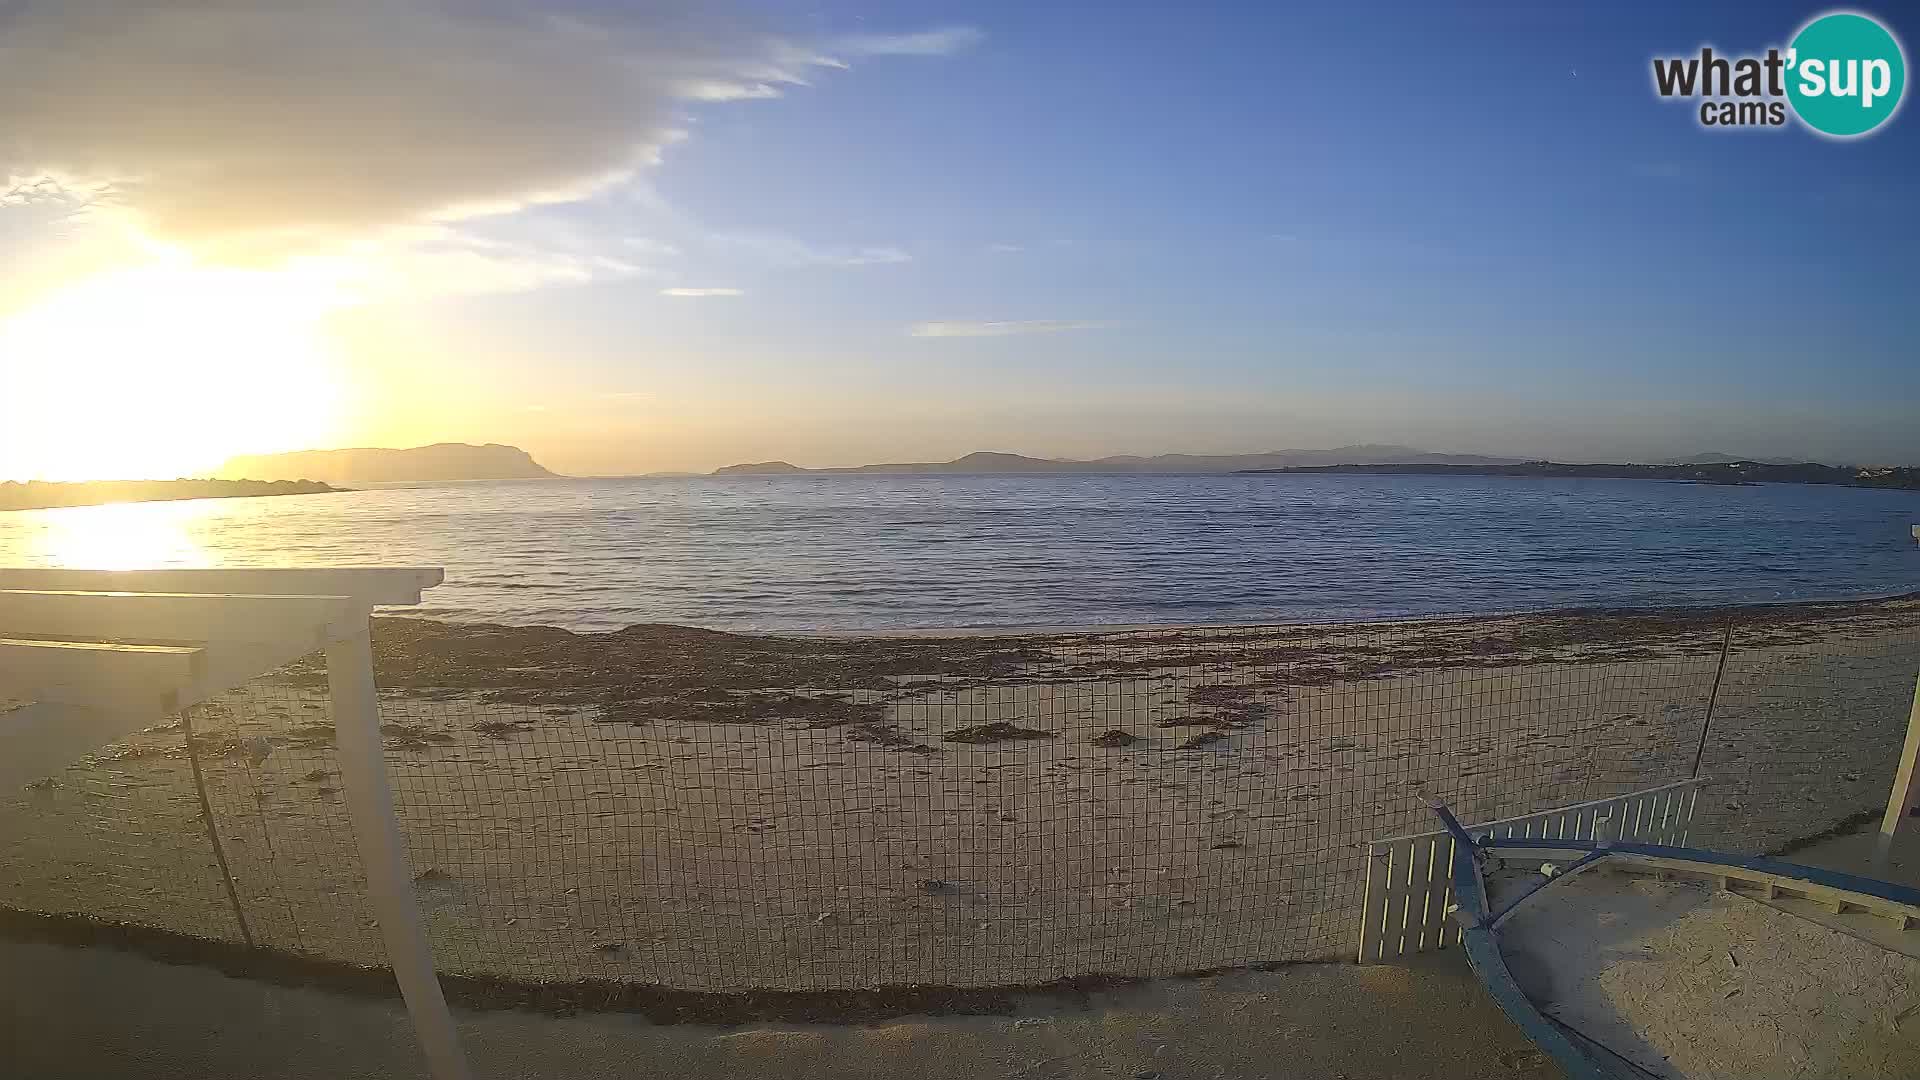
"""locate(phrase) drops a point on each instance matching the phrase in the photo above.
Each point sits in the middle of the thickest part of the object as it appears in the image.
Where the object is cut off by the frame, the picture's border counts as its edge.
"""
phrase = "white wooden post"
(1906, 785)
(363, 772)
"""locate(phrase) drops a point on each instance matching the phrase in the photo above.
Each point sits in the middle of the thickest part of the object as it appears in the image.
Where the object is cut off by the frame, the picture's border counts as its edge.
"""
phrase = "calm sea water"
(849, 552)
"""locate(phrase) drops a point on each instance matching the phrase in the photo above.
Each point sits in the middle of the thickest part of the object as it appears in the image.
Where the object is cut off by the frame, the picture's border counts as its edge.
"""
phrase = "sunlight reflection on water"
(128, 536)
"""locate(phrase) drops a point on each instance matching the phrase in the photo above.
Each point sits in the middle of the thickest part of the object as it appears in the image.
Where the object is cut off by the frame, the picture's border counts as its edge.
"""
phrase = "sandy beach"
(716, 812)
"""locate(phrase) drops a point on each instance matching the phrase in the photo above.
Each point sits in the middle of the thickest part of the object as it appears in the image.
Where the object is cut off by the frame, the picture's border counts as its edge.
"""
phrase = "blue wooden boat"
(1623, 961)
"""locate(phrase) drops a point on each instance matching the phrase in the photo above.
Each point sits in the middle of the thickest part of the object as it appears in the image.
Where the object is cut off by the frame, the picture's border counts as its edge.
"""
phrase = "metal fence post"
(363, 771)
(213, 832)
(1713, 696)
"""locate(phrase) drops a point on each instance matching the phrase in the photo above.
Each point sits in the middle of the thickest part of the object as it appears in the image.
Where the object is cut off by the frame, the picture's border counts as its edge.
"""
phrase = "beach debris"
(1205, 738)
(888, 735)
(997, 731)
(1115, 738)
(1231, 706)
(499, 729)
(935, 885)
(610, 946)
(258, 750)
(316, 732)
(316, 776)
(1225, 844)
(323, 792)
(429, 875)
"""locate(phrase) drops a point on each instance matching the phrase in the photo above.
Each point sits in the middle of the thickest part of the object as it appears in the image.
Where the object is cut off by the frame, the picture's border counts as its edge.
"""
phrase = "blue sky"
(1232, 227)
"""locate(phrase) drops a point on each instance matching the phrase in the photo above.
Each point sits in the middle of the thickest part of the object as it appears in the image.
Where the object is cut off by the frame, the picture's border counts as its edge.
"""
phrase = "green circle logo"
(1845, 74)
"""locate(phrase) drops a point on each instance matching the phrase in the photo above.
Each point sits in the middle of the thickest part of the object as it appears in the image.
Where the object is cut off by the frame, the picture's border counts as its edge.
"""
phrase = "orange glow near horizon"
(164, 371)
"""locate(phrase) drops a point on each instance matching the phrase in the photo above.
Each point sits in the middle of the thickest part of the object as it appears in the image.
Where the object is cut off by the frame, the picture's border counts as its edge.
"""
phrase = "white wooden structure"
(1904, 799)
(101, 654)
(1408, 889)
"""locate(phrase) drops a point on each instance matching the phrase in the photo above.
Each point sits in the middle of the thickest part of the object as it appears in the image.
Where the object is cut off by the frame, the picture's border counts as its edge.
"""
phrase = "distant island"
(42, 495)
(367, 465)
(987, 463)
(1729, 473)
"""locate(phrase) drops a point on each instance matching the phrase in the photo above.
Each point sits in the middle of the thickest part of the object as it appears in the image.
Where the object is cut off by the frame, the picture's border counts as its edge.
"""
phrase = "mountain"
(1729, 459)
(761, 468)
(984, 462)
(441, 461)
(1734, 473)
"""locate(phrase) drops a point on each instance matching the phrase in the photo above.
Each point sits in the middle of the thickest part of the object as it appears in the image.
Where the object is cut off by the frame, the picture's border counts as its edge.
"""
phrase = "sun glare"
(163, 372)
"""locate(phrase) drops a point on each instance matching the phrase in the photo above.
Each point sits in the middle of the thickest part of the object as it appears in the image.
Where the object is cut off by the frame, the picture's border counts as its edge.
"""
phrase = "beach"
(701, 811)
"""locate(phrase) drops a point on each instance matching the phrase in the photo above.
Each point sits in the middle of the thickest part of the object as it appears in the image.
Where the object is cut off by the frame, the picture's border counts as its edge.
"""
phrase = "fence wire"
(715, 812)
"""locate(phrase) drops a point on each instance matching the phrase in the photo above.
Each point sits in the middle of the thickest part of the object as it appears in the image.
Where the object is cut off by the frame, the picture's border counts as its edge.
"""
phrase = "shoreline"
(87, 493)
(1383, 622)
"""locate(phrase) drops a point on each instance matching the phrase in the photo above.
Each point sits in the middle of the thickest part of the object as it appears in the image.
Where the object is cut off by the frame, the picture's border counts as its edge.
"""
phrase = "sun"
(165, 371)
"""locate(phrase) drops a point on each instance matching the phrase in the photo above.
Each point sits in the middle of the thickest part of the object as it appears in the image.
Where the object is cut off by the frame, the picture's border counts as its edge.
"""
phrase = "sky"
(637, 237)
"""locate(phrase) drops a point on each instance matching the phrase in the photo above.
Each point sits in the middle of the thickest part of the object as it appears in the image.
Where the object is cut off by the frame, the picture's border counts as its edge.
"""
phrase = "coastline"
(1807, 607)
(40, 495)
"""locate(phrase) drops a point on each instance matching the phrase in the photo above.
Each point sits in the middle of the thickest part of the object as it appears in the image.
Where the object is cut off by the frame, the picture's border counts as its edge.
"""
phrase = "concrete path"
(95, 1013)
(98, 1013)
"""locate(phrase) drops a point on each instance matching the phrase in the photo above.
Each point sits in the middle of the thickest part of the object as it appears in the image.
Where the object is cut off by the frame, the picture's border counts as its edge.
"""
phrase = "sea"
(865, 552)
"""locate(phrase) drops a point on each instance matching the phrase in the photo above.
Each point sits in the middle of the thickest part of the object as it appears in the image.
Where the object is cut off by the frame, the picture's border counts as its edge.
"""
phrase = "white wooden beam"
(177, 617)
(1905, 794)
(380, 586)
(383, 853)
(36, 669)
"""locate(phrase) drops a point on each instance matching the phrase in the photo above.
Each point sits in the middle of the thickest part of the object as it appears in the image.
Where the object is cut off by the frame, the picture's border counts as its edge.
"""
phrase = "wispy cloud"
(998, 329)
(650, 245)
(949, 39)
(1005, 249)
(418, 261)
(681, 290)
(780, 250)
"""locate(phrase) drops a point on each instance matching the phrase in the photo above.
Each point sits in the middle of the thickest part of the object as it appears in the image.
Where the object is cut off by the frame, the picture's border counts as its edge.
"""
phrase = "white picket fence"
(1409, 879)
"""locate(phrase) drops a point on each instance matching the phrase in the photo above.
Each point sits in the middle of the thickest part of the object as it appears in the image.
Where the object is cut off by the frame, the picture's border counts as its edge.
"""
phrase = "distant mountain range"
(441, 461)
(1739, 473)
(1730, 459)
(990, 463)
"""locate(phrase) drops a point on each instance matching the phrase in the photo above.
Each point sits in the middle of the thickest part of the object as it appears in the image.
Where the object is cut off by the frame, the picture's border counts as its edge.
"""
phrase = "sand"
(1686, 981)
(715, 812)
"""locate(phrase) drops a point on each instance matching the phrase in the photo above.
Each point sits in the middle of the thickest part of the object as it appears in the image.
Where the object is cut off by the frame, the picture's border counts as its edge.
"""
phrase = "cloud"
(998, 329)
(939, 42)
(650, 245)
(419, 261)
(684, 291)
(1005, 249)
(786, 252)
(273, 125)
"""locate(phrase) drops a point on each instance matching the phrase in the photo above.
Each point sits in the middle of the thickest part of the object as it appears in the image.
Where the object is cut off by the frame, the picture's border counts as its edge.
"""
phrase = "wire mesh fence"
(713, 812)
